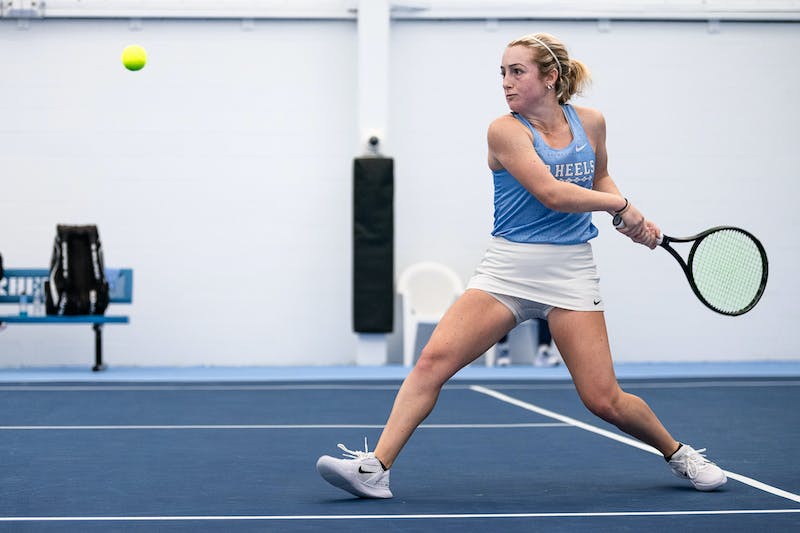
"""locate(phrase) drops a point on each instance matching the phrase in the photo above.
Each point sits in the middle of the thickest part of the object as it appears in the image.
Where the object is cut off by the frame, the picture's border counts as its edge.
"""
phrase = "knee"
(433, 366)
(605, 404)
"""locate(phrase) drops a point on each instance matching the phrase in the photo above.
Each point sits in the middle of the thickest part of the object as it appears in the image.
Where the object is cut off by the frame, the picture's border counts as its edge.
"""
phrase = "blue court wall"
(222, 174)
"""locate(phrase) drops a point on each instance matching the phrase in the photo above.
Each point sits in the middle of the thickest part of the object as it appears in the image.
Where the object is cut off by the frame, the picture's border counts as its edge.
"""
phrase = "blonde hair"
(550, 54)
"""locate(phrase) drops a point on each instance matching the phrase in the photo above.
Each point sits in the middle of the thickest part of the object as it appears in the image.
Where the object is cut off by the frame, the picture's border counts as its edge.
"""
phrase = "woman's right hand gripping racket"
(726, 267)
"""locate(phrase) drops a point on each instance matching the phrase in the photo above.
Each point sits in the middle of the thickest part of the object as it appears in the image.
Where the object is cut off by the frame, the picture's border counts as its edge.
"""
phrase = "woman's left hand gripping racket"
(726, 267)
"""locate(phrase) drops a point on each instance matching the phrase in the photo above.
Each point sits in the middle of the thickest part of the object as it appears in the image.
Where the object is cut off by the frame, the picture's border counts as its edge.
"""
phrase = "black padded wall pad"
(373, 244)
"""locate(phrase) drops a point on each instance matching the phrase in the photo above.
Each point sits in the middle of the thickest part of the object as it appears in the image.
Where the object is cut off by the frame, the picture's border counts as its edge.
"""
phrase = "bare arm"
(637, 227)
(510, 147)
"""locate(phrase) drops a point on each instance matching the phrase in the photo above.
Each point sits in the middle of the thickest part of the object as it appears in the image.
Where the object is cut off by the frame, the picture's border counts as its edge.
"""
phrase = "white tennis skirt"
(563, 276)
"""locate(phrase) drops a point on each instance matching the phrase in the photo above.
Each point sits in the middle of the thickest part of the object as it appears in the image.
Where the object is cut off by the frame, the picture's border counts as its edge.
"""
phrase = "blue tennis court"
(112, 454)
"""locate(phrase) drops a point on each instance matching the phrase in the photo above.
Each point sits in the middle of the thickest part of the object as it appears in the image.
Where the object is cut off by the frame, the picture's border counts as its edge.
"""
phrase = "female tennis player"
(550, 168)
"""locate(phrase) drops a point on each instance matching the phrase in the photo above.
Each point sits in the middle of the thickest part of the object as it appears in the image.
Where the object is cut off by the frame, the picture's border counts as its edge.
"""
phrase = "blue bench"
(19, 281)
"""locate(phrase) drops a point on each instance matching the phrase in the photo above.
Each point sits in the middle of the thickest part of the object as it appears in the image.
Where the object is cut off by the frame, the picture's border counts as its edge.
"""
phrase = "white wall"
(702, 131)
(222, 174)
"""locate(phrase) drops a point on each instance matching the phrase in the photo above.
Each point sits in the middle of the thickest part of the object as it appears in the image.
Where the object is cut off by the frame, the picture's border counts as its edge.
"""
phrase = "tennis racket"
(726, 267)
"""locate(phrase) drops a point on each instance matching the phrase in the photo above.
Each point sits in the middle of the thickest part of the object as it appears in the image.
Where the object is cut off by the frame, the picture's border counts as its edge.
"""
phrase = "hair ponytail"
(573, 80)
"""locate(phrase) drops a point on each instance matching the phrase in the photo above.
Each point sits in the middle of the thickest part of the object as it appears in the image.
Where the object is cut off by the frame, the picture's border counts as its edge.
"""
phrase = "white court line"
(179, 387)
(393, 386)
(664, 384)
(388, 516)
(625, 440)
(280, 426)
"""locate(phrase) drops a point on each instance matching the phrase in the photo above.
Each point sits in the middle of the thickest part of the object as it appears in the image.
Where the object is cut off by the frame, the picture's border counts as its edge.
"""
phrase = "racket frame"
(686, 265)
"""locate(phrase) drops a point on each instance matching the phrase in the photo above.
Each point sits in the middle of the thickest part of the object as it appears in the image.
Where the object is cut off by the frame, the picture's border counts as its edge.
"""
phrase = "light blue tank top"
(520, 217)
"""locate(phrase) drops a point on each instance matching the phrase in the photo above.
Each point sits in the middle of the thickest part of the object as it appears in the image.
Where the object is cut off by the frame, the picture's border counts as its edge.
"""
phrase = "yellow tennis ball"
(134, 57)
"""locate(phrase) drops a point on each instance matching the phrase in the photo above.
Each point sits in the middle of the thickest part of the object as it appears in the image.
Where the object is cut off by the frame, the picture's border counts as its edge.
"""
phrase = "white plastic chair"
(428, 290)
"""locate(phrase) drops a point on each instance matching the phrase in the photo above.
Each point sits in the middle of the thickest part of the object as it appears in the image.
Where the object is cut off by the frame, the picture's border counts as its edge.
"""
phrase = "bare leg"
(583, 342)
(470, 327)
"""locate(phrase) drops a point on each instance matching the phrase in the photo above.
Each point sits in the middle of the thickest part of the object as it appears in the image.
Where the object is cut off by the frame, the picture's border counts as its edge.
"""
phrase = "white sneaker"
(504, 359)
(691, 464)
(360, 474)
(546, 357)
(503, 354)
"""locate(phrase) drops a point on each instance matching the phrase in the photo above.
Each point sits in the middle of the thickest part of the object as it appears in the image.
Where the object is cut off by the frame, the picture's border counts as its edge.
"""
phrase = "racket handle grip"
(619, 224)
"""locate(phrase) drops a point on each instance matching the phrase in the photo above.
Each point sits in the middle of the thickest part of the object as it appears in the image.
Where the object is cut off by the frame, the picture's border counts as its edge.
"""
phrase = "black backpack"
(77, 283)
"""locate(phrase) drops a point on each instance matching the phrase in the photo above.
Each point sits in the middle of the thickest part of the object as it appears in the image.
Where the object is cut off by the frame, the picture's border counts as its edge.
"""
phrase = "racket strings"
(728, 270)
